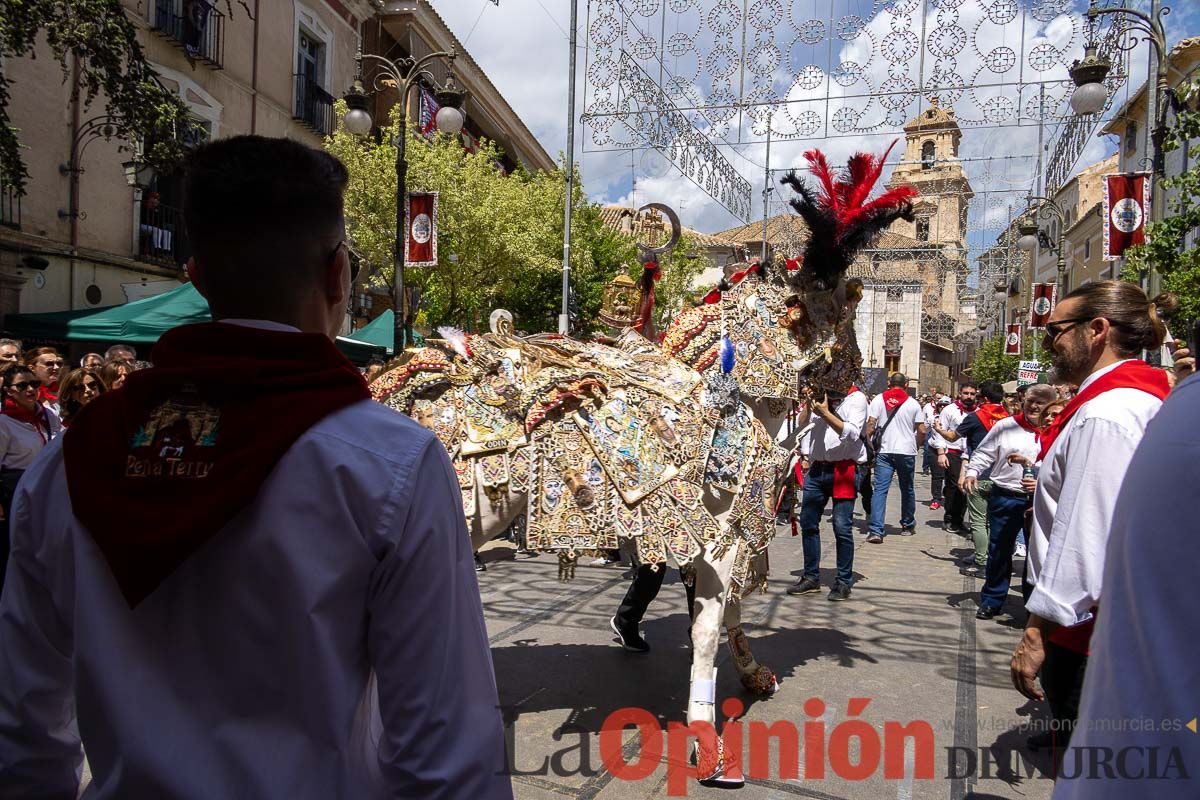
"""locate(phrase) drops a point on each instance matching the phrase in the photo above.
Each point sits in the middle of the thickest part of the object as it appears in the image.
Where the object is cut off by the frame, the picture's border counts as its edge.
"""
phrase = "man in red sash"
(1093, 339)
(237, 576)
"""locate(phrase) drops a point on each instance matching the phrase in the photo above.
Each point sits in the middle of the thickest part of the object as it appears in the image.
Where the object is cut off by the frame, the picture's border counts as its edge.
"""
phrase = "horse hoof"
(761, 682)
(713, 765)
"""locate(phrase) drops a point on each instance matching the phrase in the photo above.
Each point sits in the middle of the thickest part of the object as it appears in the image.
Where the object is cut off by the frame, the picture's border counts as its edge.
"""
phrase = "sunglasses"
(49, 364)
(1057, 329)
(21, 386)
(354, 262)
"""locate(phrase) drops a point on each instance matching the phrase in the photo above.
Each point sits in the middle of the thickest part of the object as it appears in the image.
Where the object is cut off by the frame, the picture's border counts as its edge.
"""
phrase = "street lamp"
(1046, 208)
(139, 173)
(403, 74)
(1088, 74)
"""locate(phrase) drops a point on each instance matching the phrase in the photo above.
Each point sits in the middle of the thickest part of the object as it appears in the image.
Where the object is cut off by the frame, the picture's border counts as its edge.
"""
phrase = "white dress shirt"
(1143, 665)
(900, 437)
(932, 436)
(950, 418)
(823, 443)
(1006, 438)
(20, 441)
(1076, 493)
(328, 642)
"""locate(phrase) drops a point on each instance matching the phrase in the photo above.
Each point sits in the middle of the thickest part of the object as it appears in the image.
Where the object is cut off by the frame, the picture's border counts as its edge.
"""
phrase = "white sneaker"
(1020, 551)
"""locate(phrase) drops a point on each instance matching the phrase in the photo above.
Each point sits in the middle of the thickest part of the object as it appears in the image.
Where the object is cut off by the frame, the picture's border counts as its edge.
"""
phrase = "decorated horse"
(793, 327)
(600, 446)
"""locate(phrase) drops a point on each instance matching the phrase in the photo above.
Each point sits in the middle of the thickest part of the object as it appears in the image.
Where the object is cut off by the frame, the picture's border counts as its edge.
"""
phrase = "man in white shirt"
(222, 608)
(933, 443)
(833, 452)
(899, 419)
(1143, 664)
(950, 455)
(1001, 457)
(929, 410)
(1092, 338)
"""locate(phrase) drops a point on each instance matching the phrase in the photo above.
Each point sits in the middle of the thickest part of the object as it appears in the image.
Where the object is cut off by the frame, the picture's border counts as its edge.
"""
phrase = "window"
(927, 155)
(195, 24)
(923, 229)
(313, 102)
(1087, 249)
(891, 363)
(1131, 133)
(891, 339)
(895, 294)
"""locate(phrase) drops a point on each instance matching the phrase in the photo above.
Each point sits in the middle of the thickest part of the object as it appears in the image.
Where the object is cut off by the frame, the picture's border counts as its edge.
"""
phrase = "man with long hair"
(1093, 339)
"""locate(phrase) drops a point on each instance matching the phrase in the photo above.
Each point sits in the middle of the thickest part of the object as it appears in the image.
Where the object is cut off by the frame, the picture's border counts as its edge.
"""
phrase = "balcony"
(10, 207)
(314, 105)
(161, 237)
(196, 26)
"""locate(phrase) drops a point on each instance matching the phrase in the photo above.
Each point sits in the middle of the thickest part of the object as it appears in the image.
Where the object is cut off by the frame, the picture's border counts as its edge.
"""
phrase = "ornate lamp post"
(403, 74)
(1032, 235)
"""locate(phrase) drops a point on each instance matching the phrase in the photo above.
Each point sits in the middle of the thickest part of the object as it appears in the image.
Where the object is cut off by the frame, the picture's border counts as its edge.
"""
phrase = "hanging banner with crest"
(1012, 344)
(420, 236)
(1042, 305)
(1126, 210)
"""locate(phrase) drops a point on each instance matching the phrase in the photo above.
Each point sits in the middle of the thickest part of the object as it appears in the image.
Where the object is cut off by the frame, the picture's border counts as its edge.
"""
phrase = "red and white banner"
(420, 234)
(427, 121)
(1043, 303)
(1126, 211)
(1012, 344)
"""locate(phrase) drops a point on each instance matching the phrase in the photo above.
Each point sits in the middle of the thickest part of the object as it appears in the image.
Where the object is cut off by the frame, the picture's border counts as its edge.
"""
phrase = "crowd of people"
(1037, 474)
(41, 397)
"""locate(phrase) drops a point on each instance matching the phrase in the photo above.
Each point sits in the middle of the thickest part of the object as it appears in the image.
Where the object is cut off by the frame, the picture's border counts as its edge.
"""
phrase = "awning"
(380, 332)
(140, 322)
(144, 321)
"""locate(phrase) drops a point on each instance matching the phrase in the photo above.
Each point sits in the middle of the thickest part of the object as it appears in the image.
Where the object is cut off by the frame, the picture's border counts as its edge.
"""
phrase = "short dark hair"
(11, 373)
(263, 218)
(897, 379)
(992, 391)
(967, 385)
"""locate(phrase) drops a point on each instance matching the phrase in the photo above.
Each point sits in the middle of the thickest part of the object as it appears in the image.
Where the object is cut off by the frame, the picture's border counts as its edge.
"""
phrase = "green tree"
(1170, 248)
(99, 37)
(505, 230)
(991, 364)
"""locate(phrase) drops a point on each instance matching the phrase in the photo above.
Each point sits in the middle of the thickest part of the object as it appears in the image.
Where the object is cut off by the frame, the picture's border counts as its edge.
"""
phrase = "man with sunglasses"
(239, 557)
(1093, 339)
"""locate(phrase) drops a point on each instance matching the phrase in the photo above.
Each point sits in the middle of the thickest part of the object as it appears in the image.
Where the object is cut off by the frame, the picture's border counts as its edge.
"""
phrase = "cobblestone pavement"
(907, 640)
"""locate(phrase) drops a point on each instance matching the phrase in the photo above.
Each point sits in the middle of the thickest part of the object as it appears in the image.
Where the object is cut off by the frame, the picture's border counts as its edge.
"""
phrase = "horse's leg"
(712, 582)
(756, 678)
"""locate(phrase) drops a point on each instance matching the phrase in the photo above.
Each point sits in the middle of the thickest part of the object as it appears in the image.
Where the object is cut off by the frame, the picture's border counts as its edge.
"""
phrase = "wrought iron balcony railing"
(194, 25)
(161, 237)
(314, 105)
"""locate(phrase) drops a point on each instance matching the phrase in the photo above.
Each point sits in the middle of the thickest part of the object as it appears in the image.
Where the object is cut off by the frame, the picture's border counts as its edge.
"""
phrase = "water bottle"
(1027, 473)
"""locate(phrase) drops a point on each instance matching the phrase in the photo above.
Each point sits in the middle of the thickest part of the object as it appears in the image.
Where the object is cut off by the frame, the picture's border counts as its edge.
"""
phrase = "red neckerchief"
(48, 394)
(894, 397)
(1024, 422)
(156, 469)
(852, 390)
(1129, 375)
(37, 418)
(989, 414)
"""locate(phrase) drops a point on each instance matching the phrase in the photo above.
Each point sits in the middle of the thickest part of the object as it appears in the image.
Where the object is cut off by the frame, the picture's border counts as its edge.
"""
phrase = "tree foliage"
(505, 230)
(991, 364)
(98, 36)
(1171, 245)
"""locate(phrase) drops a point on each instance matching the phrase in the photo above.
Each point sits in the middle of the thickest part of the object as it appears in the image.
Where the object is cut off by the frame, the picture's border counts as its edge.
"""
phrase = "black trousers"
(1062, 681)
(937, 477)
(642, 591)
(955, 503)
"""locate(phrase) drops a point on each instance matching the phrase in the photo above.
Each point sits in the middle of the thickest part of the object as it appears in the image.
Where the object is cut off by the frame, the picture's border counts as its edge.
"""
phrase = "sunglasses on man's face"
(21, 386)
(1059, 327)
(51, 364)
(354, 262)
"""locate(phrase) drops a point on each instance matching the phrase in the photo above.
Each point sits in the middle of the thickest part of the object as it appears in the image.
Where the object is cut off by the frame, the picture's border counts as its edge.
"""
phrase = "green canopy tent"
(144, 321)
(381, 332)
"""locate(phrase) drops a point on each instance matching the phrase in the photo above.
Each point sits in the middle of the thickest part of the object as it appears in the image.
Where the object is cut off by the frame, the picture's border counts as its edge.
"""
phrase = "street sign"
(1027, 373)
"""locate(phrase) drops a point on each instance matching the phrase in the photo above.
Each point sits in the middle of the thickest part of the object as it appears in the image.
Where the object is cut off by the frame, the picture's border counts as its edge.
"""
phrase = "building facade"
(272, 67)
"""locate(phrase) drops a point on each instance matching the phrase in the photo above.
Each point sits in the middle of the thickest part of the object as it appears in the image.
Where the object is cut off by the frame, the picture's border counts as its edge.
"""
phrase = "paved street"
(907, 640)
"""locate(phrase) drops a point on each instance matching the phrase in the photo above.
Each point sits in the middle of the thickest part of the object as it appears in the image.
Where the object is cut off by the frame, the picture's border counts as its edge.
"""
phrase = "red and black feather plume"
(840, 219)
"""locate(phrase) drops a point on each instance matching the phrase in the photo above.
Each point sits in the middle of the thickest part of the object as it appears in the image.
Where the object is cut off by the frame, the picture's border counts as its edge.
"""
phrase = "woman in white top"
(25, 427)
